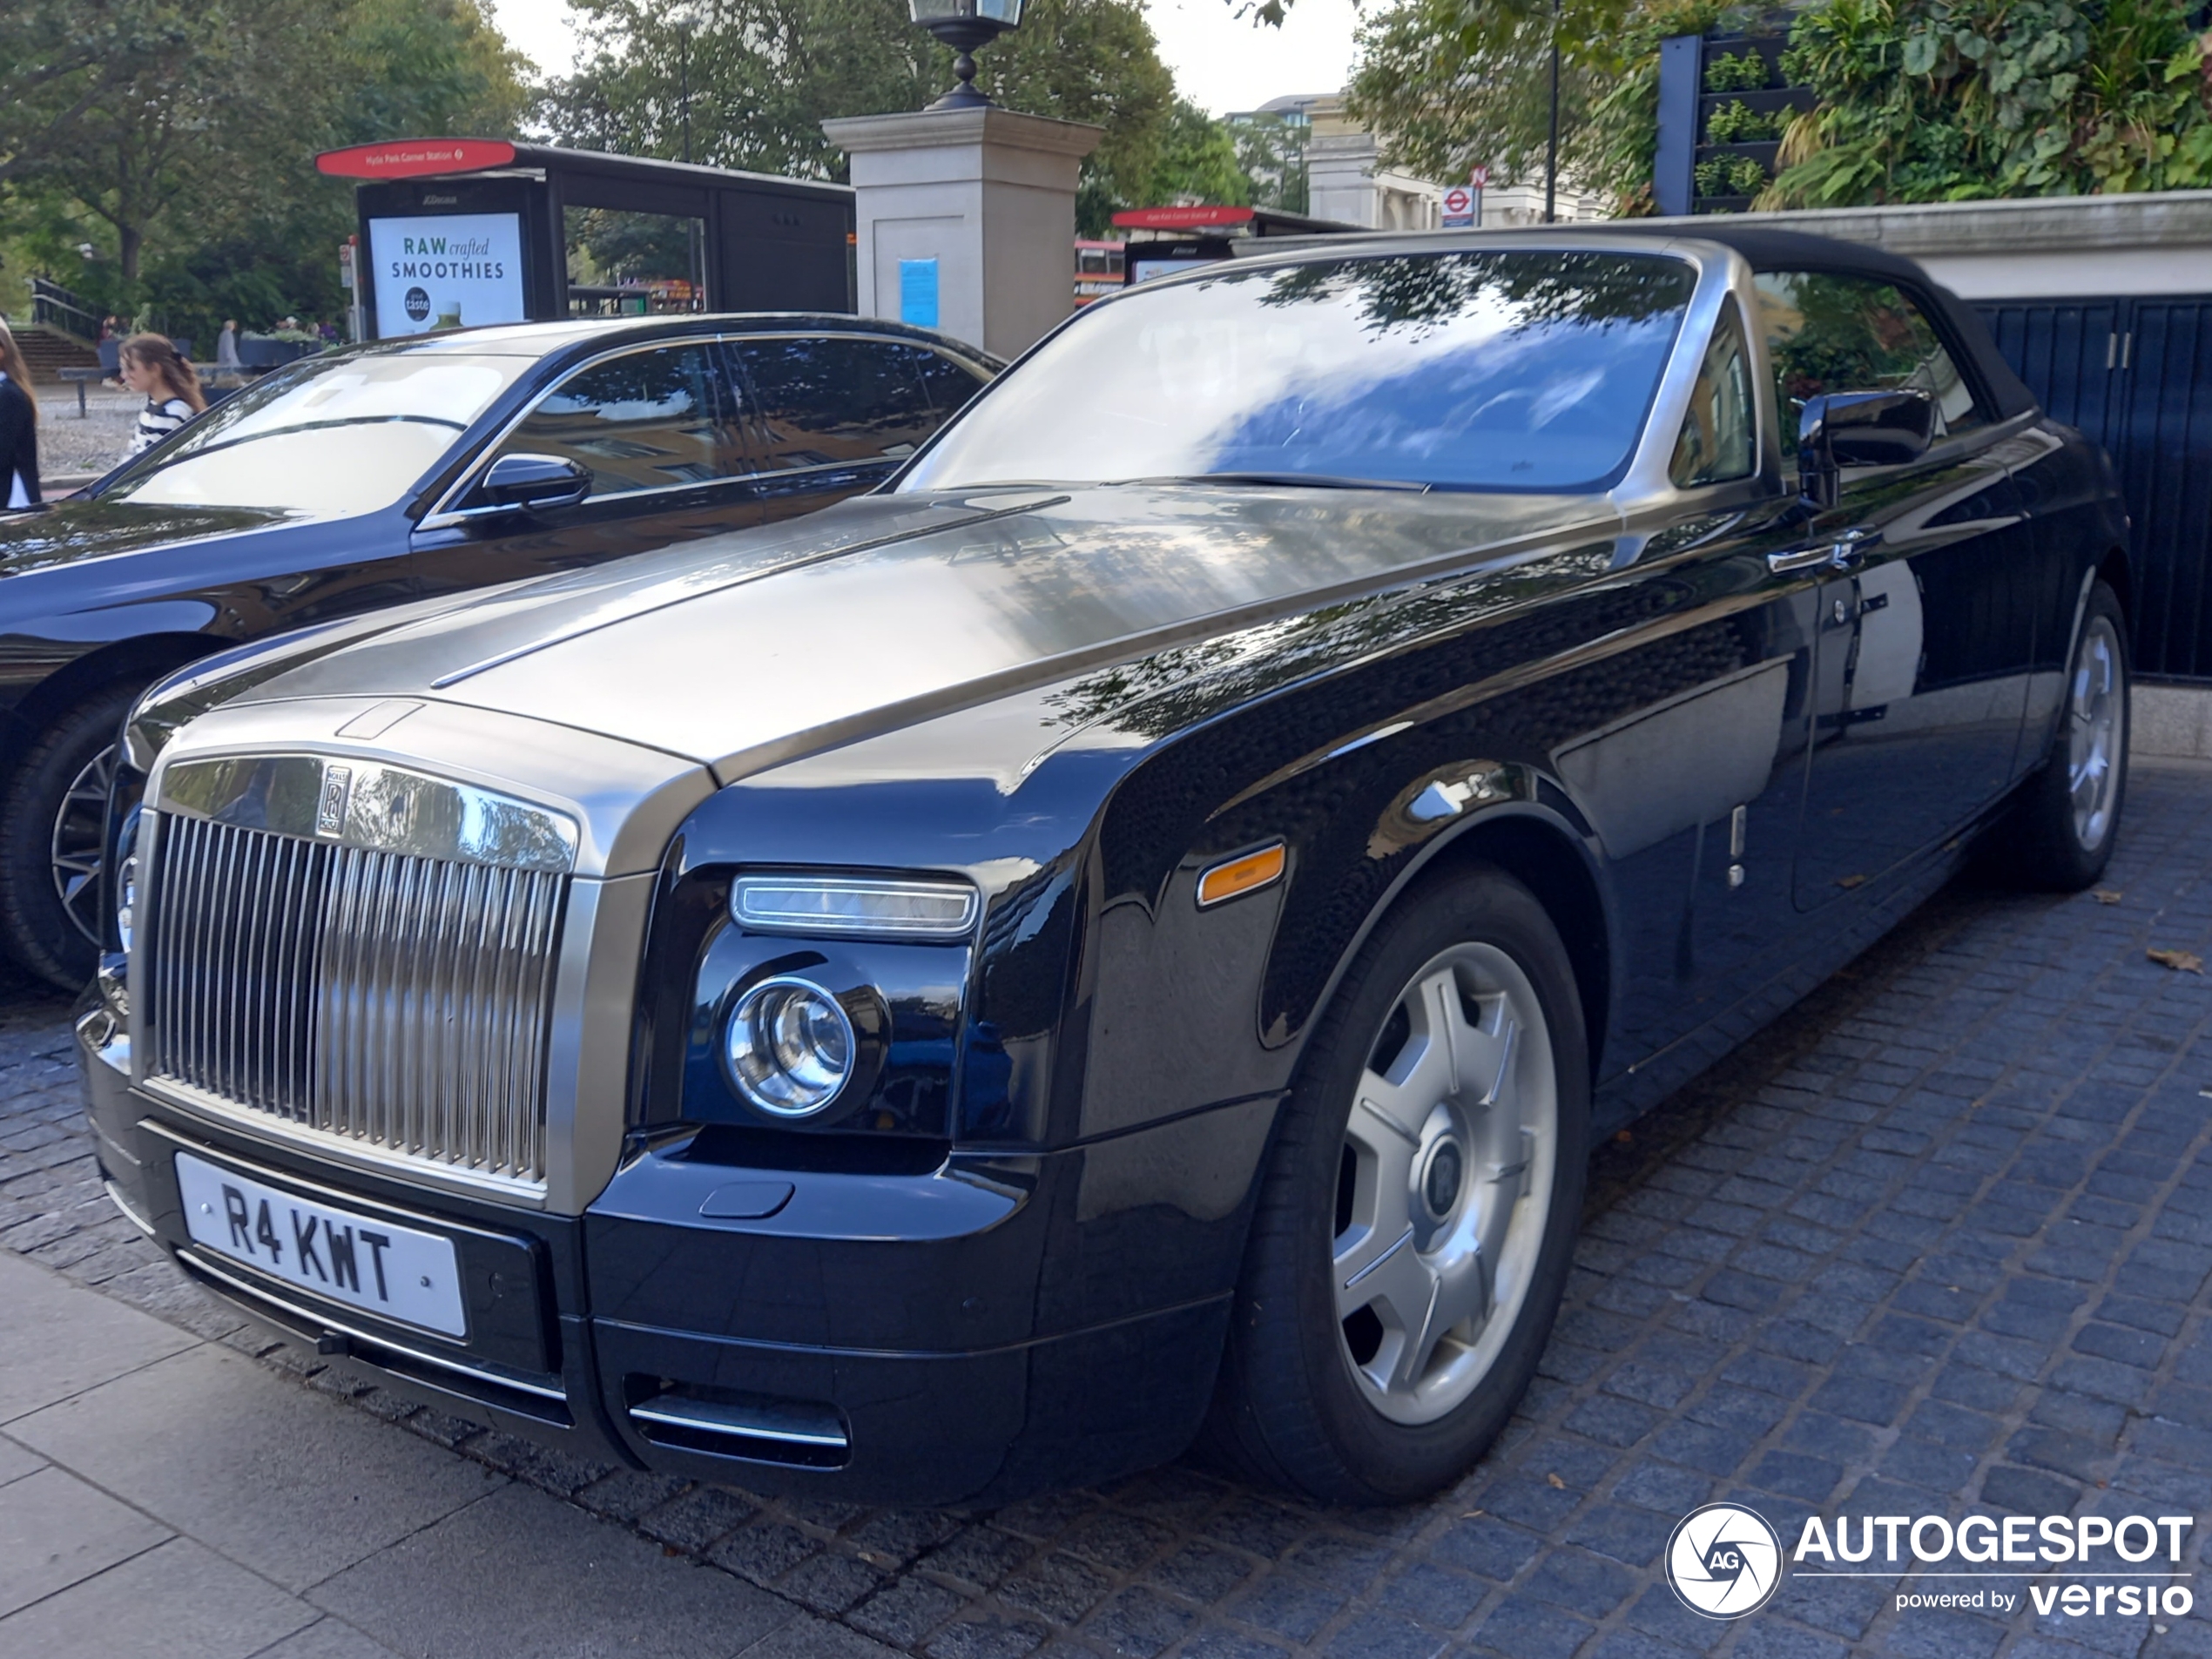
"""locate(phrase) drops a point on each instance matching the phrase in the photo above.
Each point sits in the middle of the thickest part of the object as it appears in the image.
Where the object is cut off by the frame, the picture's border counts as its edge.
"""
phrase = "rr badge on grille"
(330, 807)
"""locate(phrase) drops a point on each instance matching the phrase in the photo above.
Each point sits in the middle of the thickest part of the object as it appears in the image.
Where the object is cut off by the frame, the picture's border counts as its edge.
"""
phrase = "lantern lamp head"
(964, 25)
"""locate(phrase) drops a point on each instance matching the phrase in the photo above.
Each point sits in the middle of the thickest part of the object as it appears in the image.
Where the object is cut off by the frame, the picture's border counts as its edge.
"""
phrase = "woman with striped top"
(151, 364)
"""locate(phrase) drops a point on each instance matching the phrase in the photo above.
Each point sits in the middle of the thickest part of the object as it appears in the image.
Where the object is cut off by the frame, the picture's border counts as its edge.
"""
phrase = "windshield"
(1507, 370)
(333, 435)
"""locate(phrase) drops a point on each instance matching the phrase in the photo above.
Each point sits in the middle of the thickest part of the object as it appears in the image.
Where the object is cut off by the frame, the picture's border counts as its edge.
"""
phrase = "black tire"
(2042, 843)
(1289, 1408)
(35, 920)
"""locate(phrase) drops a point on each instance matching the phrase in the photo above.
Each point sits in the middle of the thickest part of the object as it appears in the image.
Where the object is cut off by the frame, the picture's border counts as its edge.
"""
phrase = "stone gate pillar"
(966, 219)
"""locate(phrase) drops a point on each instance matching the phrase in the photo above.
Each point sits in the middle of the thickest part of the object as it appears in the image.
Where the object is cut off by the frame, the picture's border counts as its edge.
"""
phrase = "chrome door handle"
(1839, 555)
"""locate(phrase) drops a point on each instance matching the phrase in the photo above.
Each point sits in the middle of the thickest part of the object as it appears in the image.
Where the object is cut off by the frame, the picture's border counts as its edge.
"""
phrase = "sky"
(1220, 62)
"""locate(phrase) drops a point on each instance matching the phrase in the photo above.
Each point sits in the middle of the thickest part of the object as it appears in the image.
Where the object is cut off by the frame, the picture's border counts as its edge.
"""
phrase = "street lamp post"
(965, 25)
(1551, 148)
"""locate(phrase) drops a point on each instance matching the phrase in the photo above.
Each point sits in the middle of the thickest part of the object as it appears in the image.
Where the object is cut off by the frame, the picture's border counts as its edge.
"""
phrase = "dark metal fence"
(54, 306)
(2136, 375)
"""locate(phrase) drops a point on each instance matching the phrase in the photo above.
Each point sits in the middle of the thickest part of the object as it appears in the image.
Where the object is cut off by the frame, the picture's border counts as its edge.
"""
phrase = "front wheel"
(1414, 1230)
(2061, 832)
(53, 818)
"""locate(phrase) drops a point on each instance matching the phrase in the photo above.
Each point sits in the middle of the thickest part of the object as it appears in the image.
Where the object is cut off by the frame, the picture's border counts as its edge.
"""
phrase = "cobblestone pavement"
(1939, 1239)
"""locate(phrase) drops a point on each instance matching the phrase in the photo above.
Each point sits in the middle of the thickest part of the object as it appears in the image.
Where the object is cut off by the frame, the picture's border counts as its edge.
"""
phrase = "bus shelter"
(457, 232)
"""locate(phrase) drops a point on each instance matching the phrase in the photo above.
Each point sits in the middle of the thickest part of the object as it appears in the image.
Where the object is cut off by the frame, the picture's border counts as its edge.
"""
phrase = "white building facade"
(1347, 181)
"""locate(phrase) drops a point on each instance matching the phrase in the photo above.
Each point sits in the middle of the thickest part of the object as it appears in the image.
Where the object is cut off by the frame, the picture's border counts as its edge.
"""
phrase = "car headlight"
(854, 907)
(789, 1046)
(126, 899)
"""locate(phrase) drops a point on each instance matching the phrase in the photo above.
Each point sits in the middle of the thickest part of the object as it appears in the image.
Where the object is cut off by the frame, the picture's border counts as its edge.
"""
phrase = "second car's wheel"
(51, 819)
(2061, 833)
(1415, 1225)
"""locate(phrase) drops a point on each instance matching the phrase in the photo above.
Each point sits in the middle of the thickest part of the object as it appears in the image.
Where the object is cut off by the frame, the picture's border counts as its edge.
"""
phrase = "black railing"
(54, 306)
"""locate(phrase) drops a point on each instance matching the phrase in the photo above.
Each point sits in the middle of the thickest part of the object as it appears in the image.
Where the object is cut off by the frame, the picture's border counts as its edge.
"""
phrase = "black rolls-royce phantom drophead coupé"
(1130, 930)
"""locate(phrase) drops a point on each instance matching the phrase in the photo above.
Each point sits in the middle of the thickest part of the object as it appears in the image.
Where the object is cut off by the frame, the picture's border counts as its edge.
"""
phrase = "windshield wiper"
(1300, 480)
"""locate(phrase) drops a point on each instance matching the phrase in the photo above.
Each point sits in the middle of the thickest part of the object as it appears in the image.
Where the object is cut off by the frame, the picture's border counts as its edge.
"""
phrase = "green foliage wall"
(1919, 100)
(1945, 100)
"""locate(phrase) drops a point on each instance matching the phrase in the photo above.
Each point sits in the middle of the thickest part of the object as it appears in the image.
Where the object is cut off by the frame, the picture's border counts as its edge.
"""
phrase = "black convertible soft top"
(1768, 249)
(1776, 250)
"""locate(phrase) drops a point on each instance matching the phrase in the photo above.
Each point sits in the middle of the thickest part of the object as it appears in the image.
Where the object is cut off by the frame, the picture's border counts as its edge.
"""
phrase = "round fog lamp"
(790, 1047)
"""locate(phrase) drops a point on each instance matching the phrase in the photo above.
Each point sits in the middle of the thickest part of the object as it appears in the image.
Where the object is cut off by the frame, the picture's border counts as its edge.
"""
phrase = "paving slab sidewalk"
(1940, 1239)
(160, 1494)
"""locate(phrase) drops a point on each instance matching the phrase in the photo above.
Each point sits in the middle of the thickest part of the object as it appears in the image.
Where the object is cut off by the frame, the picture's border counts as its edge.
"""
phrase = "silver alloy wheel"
(75, 850)
(2094, 710)
(1445, 1183)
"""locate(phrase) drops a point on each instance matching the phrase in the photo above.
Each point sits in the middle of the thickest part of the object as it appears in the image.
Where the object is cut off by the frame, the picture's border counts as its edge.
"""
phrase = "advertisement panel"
(446, 270)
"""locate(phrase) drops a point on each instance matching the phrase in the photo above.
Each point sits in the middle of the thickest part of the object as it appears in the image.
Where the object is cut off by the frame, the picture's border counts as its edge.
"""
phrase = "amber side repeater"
(1246, 873)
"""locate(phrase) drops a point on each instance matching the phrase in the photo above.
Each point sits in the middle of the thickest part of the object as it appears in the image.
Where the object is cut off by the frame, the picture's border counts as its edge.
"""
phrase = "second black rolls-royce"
(1130, 931)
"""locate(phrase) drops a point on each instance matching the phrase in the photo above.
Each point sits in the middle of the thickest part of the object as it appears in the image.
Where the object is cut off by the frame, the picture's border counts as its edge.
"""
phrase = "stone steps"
(45, 350)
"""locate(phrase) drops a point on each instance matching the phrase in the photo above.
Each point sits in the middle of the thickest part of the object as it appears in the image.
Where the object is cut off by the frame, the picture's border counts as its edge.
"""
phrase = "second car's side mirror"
(1860, 429)
(533, 483)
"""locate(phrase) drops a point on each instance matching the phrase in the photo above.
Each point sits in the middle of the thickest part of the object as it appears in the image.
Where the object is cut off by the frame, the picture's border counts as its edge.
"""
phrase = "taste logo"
(1723, 1561)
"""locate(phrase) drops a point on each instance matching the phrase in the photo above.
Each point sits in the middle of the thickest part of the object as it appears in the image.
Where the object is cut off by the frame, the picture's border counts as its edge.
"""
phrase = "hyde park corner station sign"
(446, 270)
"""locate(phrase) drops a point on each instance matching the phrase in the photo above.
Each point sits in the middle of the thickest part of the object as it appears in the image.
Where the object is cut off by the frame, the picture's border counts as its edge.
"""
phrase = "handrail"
(54, 306)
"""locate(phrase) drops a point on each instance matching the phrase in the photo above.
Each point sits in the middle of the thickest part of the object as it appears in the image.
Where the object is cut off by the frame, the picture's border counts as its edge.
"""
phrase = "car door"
(1696, 791)
(1924, 642)
(660, 430)
(832, 414)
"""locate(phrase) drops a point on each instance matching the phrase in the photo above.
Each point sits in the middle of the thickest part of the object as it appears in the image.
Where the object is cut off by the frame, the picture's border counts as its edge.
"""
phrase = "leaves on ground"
(1849, 881)
(2181, 961)
(1554, 1480)
(2109, 895)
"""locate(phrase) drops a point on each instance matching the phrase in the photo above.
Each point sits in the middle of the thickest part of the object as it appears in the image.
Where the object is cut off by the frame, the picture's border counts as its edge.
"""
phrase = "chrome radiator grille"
(394, 1001)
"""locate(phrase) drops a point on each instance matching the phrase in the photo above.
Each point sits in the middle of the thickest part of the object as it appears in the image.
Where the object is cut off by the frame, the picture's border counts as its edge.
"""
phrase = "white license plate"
(363, 1261)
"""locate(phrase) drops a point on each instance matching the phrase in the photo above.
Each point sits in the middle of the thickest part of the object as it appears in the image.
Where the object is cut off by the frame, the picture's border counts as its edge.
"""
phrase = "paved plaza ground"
(72, 445)
(1938, 1240)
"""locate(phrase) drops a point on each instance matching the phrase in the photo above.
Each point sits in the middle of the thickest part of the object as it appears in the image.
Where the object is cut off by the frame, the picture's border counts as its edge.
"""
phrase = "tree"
(764, 75)
(1448, 83)
(58, 59)
(1271, 148)
(124, 142)
(1199, 161)
(422, 67)
(190, 150)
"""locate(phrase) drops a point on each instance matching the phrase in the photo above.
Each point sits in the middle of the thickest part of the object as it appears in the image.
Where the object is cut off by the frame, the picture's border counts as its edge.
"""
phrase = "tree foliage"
(764, 75)
(1944, 100)
(1446, 84)
(1199, 161)
(1271, 149)
(177, 138)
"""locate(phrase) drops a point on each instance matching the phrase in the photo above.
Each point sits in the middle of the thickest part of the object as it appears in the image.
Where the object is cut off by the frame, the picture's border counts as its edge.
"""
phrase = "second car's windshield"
(337, 435)
(1506, 370)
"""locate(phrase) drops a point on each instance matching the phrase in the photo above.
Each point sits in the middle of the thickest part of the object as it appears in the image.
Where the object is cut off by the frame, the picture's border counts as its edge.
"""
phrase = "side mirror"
(1860, 429)
(533, 483)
